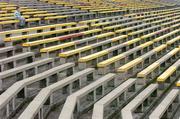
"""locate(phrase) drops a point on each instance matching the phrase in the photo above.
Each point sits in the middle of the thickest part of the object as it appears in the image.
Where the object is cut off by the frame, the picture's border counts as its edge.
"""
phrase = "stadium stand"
(90, 59)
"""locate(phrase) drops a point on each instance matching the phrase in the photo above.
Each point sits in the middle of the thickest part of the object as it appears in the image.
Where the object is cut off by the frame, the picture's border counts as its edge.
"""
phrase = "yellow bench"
(56, 39)
(103, 66)
(148, 35)
(156, 64)
(27, 10)
(138, 63)
(57, 47)
(3, 3)
(6, 14)
(93, 56)
(92, 59)
(164, 37)
(93, 31)
(54, 18)
(86, 59)
(72, 52)
(11, 18)
(33, 20)
(172, 41)
(124, 30)
(160, 48)
(86, 48)
(110, 61)
(33, 30)
(112, 27)
(150, 68)
(17, 21)
(140, 33)
(129, 65)
(14, 22)
(154, 34)
(175, 26)
(7, 5)
(105, 35)
(178, 83)
(17, 38)
(8, 8)
(121, 38)
(32, 13)
(9, 22)
(3, 12)
(168, 74)
(133, 41)
(24, 9)
(45, 15)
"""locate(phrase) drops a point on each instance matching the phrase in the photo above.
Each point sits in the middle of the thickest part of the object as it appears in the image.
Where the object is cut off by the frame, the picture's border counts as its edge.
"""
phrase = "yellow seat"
(144, 73)
(7, 14)
(91, 31)
(110, 61)
(173, 40)
(7, 5)
(134, 33)
(3, 3)
(119, 38)
(32, 19)
(55, 17)
(160, 48)
(165, 36)
(93, 56)
(124, 30)
(45, 15)
(178, 83)
(166, 74)
(38, 42)
(27, 10)
(9, 22)
(2, 12)
(10, 18)
(54, 48)
(37, 28)
(8, 8)
(129, 65)
(72, 52)
(173, 52)
(133, 41)
(148, 35)
(88, 21)
(36, 12)
(146, 44)
(153, 66)
(105, 35)
(16, 38)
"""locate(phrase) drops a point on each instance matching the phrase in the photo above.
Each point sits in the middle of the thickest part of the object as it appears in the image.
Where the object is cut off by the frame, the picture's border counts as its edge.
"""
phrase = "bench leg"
(1, 27)
(82, 66)
(63, 60)
(15, 26)
(1, 85)
(46, 21)
(141, 81)
(39, 22)
(28, 24)
(102, 71)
